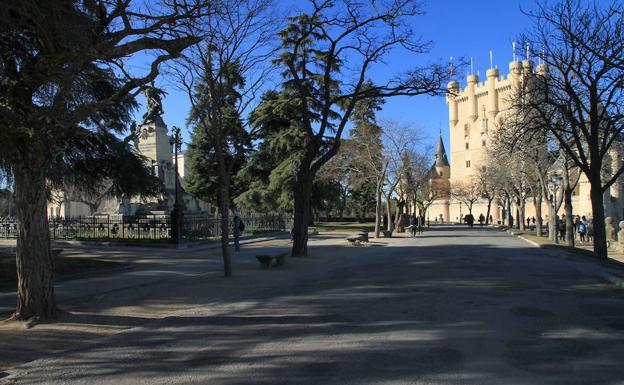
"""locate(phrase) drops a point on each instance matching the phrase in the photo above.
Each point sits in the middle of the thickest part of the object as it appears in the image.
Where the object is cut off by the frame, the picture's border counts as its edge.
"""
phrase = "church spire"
(440, 157)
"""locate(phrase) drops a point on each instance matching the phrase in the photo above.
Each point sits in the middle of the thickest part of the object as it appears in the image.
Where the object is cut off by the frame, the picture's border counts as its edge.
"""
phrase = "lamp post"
(176, 141)
(460, 212)
(554, 184)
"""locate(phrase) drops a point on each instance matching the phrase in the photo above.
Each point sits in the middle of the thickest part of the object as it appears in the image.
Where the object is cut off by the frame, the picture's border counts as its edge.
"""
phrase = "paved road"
(450, 307)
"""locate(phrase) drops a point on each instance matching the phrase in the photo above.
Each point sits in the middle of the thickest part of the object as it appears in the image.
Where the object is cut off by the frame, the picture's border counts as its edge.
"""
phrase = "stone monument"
(621, 237)
(610, 231)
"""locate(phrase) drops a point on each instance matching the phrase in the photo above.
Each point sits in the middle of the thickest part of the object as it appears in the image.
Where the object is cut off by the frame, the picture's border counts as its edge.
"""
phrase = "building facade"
(475, 113)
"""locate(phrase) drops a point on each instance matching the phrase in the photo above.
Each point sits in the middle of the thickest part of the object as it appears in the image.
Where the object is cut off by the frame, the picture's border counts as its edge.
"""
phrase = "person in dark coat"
(413, 224)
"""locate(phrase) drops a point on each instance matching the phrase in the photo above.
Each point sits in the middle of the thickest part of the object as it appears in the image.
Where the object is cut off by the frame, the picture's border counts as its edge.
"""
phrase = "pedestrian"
(239, 227)
(575, 223)
(412, 224)
(491, 219)
(590, 230)
(470, 220)
(562, 227)
(481, 219)
(533, 221)
(421, 224)
(582, 229)
(528, 222)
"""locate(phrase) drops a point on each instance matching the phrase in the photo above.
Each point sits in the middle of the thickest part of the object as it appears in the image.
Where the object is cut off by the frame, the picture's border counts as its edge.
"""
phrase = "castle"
(475, 113)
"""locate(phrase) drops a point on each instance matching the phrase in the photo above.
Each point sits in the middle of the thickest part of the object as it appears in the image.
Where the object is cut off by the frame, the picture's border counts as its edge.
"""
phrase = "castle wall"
(475, 113)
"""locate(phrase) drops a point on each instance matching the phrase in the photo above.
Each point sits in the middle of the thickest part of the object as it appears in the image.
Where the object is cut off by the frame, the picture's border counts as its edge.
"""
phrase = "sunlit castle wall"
(475, 113)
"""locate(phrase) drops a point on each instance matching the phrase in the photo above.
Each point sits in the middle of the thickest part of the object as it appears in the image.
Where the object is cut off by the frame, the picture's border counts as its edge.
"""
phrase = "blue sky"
(457, 28)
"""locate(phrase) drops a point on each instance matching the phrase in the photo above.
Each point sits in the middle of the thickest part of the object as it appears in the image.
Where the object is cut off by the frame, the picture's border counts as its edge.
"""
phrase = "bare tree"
(468, 192)
(582, 44)
(222, 75)
(398, 140)
(489, 182)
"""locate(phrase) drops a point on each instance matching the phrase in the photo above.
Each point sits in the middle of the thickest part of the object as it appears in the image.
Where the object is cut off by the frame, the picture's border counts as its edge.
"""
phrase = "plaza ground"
(453, 306)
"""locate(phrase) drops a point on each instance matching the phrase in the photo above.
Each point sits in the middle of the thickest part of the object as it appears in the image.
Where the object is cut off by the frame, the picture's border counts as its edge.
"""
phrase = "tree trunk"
(398, 215)
(567, 206)
(552, 221)
(389, 213)
(600, 236)
(538, 215)
(224, 207)
(302, 195)
(521, 216)
(489, 208)
(378, 210)
(35, 266)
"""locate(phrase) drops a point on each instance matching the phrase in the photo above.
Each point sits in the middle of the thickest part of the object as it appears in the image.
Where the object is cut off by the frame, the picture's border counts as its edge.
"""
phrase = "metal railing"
(144, 227)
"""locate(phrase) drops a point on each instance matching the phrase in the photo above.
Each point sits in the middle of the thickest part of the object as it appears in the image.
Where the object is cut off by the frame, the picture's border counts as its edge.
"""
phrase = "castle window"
(467, 163)
(466, 130)
(467, 146)
(483, 143)
(441, 173)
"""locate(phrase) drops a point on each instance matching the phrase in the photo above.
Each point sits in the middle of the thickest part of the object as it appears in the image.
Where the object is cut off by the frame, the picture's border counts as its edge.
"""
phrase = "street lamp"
(554, 183)
(460, 212)
(176, 141)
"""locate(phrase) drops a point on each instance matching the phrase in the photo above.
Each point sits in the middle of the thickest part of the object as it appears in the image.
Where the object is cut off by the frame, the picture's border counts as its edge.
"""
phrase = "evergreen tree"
(220, 141)
(65, 100)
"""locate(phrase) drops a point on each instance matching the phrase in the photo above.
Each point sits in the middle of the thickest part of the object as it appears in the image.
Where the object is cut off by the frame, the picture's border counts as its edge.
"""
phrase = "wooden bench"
(265, 260)
(387, 233)
(357, 239)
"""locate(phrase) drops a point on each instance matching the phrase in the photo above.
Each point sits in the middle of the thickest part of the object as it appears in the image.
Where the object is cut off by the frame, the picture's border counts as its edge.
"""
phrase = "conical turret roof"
(440, 156)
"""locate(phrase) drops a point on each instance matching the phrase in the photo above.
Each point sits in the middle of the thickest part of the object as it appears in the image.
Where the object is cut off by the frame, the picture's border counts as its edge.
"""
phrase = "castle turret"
(451, 100)
(515, 72)
(527, 67)
(440, 157)
(473, 109)
(542, 69)
(492, 78)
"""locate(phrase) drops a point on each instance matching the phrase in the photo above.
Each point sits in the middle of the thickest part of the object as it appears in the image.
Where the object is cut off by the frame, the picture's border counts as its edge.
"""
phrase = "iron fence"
(144, 227)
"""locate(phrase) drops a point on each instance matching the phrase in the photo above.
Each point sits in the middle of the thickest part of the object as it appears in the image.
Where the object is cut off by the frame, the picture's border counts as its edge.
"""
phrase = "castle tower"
(439, 178)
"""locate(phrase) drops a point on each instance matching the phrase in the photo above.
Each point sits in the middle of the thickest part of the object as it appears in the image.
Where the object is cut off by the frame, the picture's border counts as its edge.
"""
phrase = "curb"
(532, 243)
(611, 278)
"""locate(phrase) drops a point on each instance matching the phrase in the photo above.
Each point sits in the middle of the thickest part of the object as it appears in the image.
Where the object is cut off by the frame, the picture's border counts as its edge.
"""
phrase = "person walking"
(481, 219)
(575, 223)
(412, 224)
(421, 224)
(528, 222)
(582, 229)
(562, 227)
(238, 228)
(590, 230)
(470, 220)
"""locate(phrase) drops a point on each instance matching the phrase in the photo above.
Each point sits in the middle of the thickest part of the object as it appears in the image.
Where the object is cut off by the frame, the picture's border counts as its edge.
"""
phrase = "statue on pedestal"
(621, 237)
(610, 230)
(154, 104)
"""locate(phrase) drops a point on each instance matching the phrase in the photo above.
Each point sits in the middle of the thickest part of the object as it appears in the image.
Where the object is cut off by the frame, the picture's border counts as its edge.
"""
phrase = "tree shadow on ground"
(477, 313)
